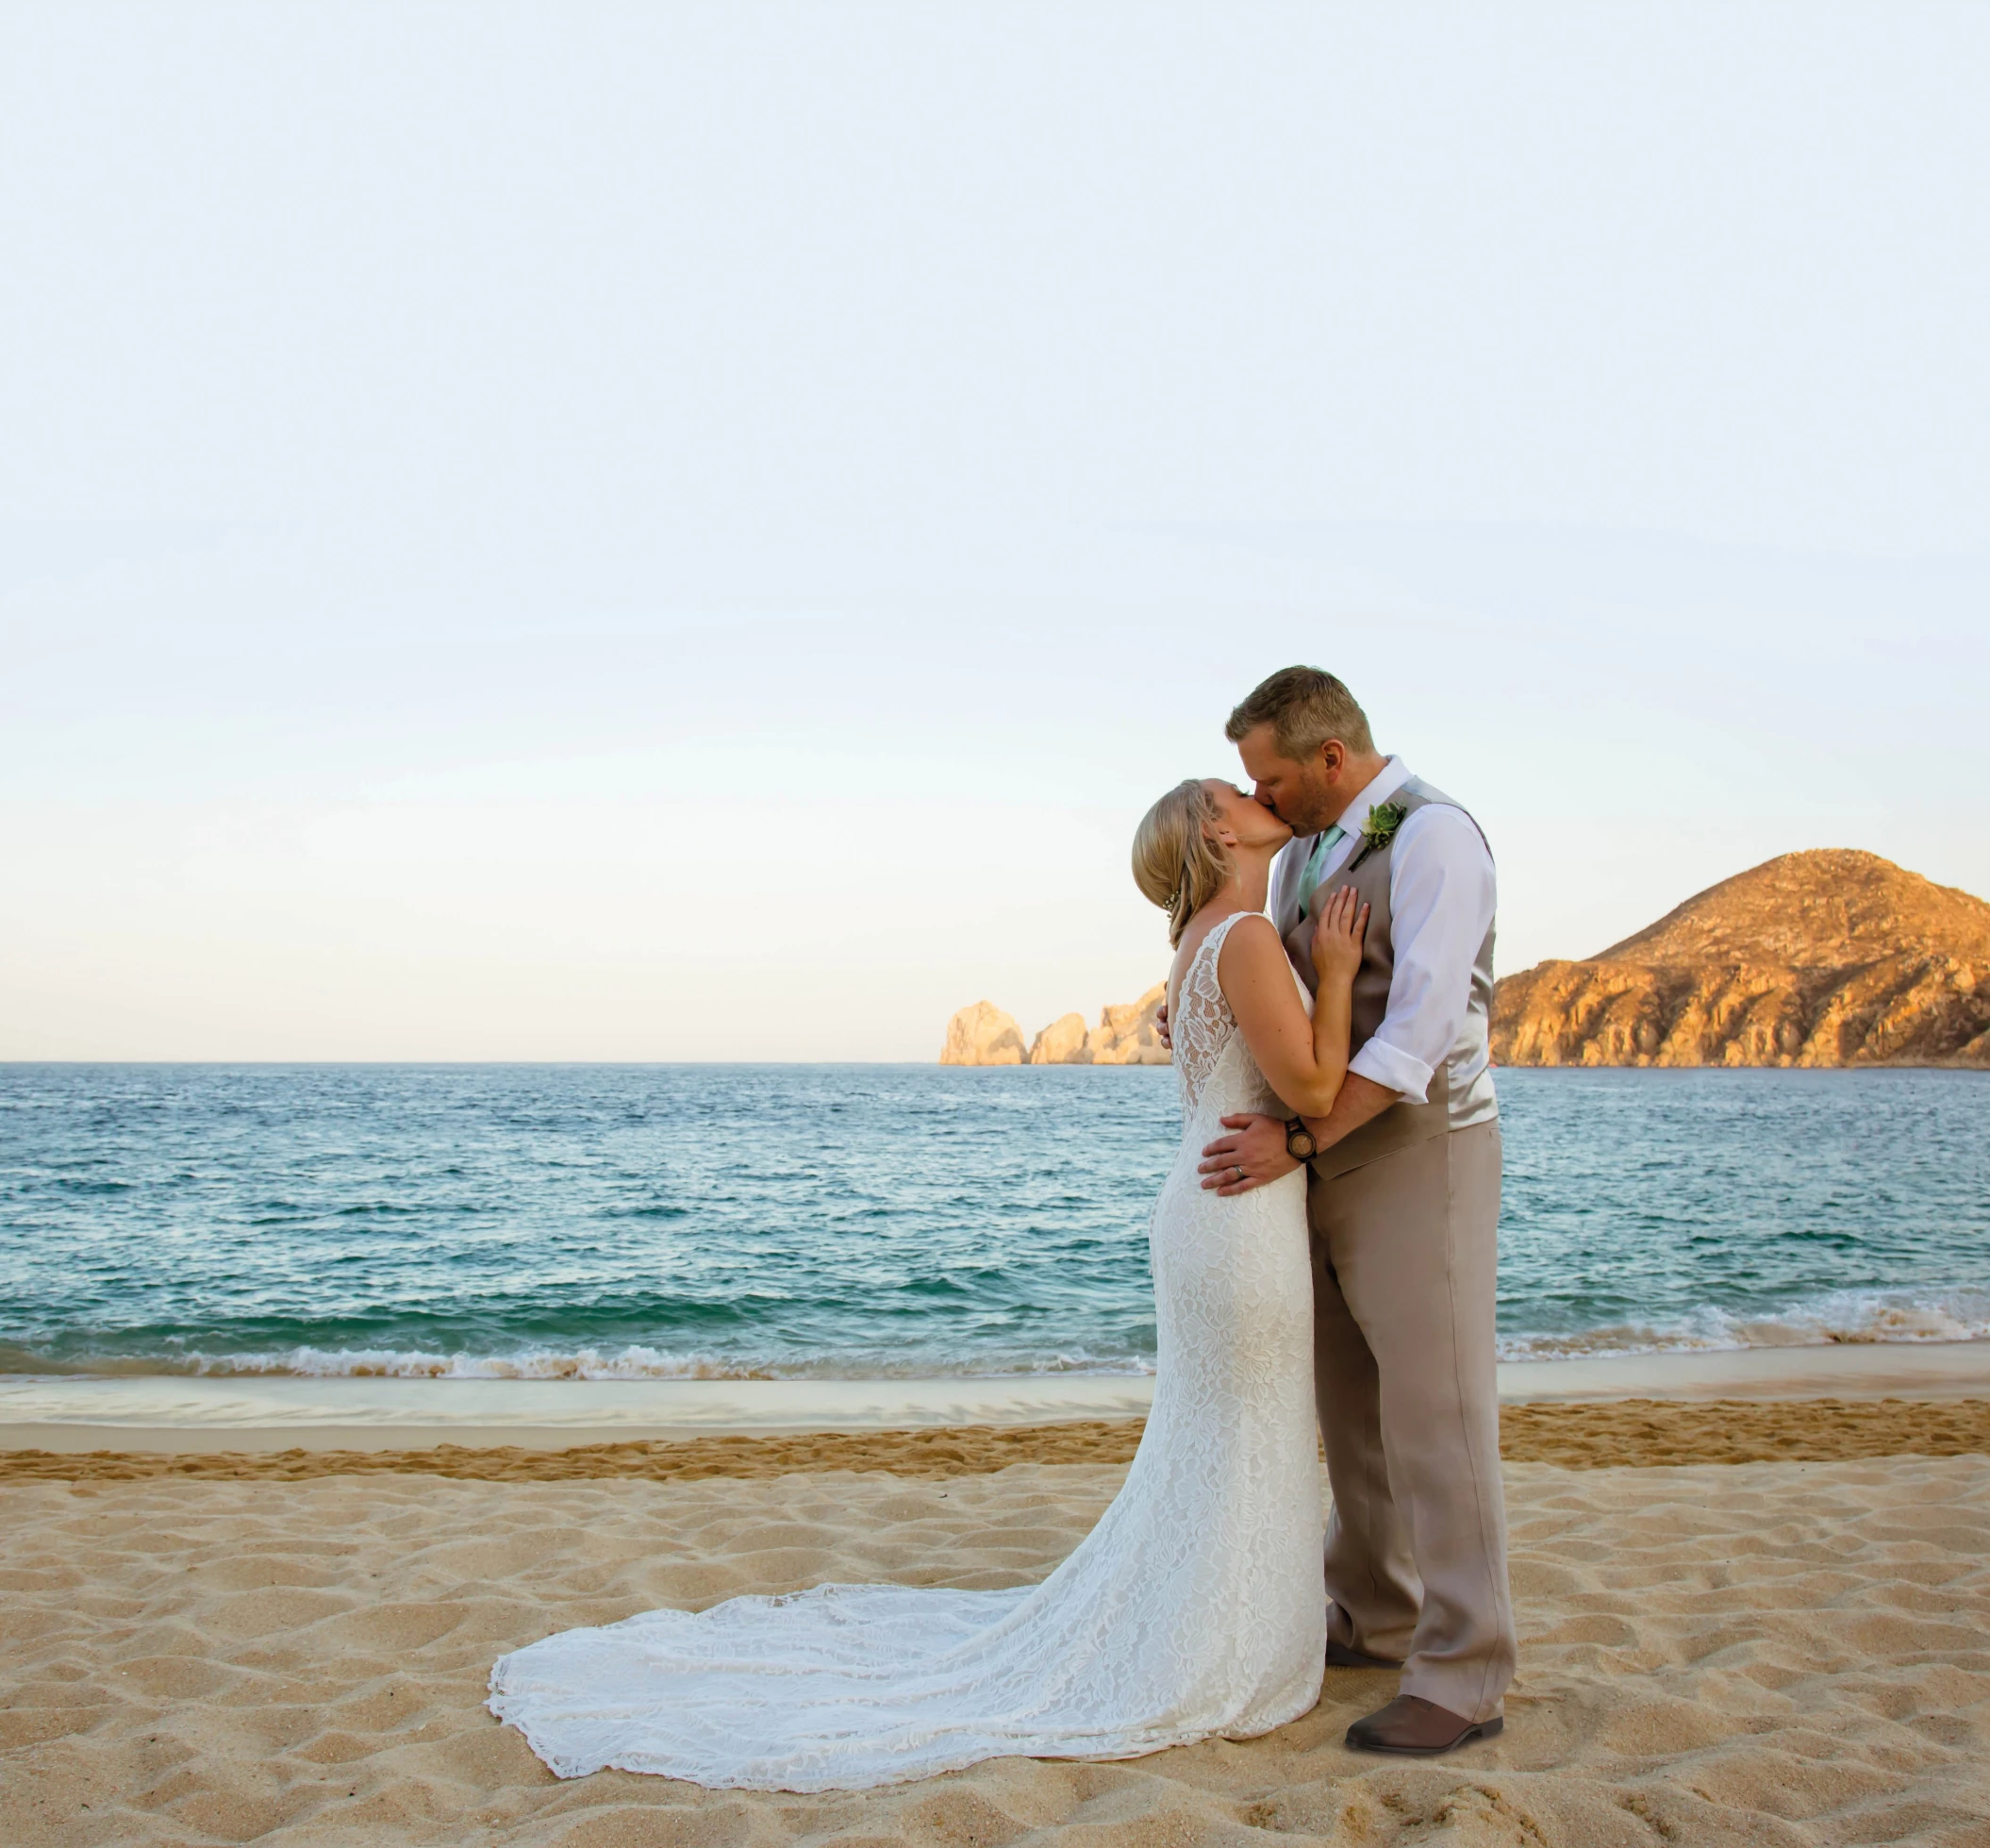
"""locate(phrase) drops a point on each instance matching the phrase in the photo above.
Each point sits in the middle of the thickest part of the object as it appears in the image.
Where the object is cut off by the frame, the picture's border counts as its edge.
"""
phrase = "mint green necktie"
(1309, 881)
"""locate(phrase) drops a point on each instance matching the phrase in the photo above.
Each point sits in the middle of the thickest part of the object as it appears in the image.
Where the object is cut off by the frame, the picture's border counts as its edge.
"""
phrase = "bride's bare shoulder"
(1252, 931)
(1251, 955)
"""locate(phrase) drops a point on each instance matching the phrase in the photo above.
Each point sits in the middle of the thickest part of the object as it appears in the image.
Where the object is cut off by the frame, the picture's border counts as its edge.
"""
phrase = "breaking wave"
(1844, 1317)
(1841, 1318)
(628, 1363)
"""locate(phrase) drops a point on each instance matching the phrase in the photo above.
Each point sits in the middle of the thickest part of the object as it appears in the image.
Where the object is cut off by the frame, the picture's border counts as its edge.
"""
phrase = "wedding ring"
(1241, 1177)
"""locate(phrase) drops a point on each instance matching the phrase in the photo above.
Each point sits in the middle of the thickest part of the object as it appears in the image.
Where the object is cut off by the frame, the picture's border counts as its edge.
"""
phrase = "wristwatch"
(1300, 1144)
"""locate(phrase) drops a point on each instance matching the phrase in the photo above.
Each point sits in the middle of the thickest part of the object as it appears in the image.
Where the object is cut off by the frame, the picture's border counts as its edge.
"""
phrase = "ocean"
(859, 1221)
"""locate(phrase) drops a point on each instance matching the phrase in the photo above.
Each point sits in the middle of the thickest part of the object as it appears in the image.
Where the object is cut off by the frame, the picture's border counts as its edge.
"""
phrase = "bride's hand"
(1336, 937)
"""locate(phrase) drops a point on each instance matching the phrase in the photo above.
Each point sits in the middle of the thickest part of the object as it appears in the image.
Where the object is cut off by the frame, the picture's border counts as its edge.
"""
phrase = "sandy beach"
(290, 1645)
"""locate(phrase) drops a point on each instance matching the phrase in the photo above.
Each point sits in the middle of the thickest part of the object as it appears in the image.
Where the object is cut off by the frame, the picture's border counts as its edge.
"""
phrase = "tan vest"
(1401, 1125)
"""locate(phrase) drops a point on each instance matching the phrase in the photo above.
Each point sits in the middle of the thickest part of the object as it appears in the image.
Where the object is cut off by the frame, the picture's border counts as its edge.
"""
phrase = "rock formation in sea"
(1825, 959)
(1125, 1035)
(983, 1035)
(1062, 1042)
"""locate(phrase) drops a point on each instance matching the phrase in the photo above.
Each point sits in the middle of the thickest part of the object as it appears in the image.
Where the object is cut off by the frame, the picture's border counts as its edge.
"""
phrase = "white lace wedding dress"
(1194, 1608)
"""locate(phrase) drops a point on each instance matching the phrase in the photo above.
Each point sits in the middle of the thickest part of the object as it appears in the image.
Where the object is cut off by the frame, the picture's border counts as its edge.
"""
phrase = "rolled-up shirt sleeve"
(1441, 897)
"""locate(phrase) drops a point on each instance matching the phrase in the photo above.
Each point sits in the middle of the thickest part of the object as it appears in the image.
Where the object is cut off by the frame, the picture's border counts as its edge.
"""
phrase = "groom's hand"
(1256, 1145)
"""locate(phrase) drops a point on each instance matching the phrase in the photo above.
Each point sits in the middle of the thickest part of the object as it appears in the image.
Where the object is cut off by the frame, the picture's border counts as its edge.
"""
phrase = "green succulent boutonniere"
(1379, 829)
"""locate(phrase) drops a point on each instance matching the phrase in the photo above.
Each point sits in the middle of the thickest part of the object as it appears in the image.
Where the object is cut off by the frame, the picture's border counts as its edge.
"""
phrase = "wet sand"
(182, 1413)
(1631, 1432)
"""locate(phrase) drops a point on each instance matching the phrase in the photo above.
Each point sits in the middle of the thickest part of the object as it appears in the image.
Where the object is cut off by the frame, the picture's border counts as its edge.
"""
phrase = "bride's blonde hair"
(1179, 864)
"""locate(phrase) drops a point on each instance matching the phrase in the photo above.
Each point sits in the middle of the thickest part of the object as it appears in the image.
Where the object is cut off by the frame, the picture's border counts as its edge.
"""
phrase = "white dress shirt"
(1441, 902)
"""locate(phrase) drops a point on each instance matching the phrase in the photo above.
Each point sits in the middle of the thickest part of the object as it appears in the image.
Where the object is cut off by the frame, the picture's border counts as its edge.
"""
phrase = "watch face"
(1301, 1143)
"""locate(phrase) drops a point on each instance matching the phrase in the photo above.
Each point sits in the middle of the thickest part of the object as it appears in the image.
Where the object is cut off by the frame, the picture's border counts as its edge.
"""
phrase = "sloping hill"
(1831, 958)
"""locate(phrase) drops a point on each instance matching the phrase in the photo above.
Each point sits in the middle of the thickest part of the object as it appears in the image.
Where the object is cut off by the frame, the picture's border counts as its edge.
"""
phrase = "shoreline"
(1570, 1434)
(197, 1415)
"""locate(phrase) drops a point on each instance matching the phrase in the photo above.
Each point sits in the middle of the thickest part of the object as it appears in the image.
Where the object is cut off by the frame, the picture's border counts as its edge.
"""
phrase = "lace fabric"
(1202, 1024)
(1193, 1608)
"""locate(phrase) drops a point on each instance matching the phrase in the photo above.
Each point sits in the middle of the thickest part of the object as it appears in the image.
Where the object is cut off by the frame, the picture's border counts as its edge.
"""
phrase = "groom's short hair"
(1305, 707)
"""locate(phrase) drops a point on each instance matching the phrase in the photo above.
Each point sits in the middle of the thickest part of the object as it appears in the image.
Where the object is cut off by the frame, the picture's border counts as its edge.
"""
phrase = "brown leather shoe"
(1340, 1657)
(1418, 1728)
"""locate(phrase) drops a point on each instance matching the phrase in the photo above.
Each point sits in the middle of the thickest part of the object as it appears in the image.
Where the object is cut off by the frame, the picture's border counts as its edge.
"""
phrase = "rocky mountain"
(984, 1035)
(1825, 959)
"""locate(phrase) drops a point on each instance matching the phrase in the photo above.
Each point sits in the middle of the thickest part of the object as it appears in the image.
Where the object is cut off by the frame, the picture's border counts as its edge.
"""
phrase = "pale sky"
(695, 531)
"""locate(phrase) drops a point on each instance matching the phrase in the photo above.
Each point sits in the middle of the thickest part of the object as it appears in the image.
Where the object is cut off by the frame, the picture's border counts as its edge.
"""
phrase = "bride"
(1195, 1607)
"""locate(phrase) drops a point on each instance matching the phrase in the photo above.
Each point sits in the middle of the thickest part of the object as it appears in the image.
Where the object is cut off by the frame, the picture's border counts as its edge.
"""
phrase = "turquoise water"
(653, 1221)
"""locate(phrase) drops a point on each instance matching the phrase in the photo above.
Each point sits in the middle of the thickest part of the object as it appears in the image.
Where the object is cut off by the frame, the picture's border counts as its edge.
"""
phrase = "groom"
(1402, 1205)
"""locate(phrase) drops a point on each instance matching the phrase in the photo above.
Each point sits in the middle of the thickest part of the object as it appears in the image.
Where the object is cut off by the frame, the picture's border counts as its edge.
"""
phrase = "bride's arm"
(1304, 1059)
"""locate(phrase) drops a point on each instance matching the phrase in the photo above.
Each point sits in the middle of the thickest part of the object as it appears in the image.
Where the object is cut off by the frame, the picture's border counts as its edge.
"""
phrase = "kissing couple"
(1323, 1250)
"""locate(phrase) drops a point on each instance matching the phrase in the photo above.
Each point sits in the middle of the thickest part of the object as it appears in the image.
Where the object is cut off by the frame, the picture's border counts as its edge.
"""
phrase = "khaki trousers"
(1404, 1254)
